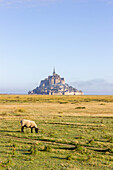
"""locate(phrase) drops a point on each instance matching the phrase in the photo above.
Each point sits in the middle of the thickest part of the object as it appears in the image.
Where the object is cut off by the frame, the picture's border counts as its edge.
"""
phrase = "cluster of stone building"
(55, 85)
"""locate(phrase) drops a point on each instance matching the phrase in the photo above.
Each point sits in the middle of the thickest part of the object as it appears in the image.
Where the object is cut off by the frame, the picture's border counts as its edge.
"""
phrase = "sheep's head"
(36, 130)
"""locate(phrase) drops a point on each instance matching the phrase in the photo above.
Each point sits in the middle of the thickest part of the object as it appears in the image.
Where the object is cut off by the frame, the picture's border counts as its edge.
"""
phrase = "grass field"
(75, 132)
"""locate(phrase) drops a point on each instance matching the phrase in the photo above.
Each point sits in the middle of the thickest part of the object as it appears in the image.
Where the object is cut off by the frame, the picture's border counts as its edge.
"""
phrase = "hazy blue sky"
(74, 36)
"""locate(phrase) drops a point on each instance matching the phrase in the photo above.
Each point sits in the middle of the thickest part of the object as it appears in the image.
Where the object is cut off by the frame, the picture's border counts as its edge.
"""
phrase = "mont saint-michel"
(55, 85)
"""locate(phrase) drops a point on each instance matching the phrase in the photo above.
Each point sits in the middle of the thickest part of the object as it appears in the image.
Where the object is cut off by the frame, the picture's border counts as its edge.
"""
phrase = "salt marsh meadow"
(75, 132)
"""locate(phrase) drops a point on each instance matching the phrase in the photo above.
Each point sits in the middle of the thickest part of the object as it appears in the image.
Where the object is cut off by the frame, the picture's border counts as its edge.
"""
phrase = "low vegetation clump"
(13, 149)
(69, 157)
(47, 148)
(110, 139)
(80, 108)
(33, 149)
(91, 141)
(75, 132)
(21, 110)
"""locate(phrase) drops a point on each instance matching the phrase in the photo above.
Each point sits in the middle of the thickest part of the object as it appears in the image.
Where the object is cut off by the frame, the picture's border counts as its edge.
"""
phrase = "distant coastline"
(86, 94)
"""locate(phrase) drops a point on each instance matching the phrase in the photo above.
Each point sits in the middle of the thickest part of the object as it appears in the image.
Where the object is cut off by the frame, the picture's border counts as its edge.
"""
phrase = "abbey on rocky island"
(55, 85)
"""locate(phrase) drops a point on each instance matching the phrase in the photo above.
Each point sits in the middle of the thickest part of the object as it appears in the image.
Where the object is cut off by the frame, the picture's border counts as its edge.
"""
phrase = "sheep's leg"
(31, 130)
(22, 129)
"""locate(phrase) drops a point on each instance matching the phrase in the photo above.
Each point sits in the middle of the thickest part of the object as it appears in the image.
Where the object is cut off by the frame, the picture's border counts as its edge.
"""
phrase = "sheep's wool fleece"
(28, 123)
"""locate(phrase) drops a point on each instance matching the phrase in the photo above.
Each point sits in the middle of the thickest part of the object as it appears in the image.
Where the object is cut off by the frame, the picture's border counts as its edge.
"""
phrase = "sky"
(74, 36)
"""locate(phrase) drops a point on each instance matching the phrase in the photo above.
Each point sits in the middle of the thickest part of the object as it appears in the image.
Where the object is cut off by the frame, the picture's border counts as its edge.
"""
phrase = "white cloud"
(97, 86)
(107, 1)
(33, 3)
(110, 2)
(103, 1)
(16, 3)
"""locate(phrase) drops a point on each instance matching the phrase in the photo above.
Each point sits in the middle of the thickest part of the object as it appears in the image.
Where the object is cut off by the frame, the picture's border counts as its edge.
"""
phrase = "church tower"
(54, 72)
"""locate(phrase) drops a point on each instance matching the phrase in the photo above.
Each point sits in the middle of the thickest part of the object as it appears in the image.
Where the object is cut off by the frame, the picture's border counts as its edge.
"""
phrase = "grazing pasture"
(75, 132)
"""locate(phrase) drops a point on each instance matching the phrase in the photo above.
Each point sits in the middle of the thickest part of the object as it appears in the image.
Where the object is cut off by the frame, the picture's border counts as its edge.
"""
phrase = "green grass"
(75, 132)
(53, 99)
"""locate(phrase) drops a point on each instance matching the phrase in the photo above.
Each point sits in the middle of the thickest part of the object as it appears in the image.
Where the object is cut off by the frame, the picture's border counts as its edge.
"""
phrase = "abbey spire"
(54, 71)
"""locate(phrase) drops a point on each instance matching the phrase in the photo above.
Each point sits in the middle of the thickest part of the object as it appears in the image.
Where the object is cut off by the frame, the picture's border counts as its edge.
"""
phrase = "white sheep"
(28, 124)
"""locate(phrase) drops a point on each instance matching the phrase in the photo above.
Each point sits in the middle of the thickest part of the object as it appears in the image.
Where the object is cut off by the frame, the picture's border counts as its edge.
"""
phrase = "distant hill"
(55, 85)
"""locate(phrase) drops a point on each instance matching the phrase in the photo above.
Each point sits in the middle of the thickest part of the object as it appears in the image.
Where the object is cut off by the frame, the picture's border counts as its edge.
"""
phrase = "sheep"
(28, 124)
